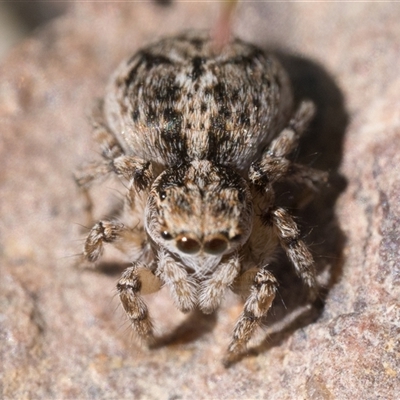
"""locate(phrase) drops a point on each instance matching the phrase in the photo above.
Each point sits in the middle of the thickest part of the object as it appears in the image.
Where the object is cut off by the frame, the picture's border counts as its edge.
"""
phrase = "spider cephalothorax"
(199, 209)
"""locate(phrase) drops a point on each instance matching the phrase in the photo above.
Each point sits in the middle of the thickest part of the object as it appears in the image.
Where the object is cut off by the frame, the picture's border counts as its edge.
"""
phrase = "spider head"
(199, 208)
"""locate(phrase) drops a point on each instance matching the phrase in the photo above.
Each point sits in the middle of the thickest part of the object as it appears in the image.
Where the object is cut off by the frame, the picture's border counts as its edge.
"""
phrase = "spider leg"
(102, 232)
(131, 168)
(134, 282)
(109, 146)
(136, 171)
(182, 286)
(262, 294)
(306, 175)
(128, 240)
(289, 237)
(213, 288)
(274, 165)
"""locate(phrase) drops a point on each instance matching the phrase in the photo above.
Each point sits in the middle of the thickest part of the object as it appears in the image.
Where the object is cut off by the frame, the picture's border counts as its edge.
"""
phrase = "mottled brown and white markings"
(203, 134)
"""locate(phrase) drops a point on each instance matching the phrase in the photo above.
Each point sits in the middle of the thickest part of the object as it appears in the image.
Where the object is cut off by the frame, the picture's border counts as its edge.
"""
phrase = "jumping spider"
(201, 136)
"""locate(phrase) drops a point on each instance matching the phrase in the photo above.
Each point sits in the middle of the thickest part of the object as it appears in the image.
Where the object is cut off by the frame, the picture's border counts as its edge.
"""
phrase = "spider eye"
(166, 235)
(163, 195)
(188, 245)
(216, 245)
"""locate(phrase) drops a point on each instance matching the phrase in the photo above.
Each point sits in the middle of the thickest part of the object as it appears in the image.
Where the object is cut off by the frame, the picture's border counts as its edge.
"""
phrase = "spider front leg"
(182, 286)
(262, 294)
(136, 281)
(139, 175)
(133, 169)
(102, 232)
(213, 289)
(128, 240)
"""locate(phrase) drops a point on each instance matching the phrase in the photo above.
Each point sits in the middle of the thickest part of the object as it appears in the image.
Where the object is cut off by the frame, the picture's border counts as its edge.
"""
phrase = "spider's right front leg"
(182, 286)
(136, 281)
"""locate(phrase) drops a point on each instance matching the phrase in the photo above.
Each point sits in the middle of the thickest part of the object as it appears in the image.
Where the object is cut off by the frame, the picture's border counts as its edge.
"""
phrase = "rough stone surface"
(62, 334)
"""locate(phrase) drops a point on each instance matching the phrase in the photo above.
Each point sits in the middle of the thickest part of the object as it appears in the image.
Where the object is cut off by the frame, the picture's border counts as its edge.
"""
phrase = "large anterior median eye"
(216, 244)
(187, 244)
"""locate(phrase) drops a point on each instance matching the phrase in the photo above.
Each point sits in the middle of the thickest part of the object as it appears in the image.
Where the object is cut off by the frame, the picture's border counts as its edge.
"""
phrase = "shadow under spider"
(320, 147)
(193, 327)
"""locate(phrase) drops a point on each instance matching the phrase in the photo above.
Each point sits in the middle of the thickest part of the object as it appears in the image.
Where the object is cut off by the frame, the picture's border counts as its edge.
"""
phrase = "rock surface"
(62, 334)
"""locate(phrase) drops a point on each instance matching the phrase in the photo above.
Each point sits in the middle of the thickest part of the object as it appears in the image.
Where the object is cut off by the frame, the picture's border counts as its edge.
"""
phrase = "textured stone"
(62, 332)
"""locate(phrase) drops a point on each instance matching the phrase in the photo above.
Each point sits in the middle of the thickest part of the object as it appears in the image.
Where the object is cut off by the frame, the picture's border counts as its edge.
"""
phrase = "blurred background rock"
(18, 19)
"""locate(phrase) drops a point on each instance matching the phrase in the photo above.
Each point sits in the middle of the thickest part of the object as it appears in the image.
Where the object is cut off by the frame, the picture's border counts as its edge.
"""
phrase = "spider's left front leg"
(259, 301)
